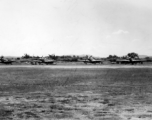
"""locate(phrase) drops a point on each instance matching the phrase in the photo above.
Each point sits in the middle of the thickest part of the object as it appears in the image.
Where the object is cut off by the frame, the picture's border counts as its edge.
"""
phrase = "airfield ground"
(76, 92)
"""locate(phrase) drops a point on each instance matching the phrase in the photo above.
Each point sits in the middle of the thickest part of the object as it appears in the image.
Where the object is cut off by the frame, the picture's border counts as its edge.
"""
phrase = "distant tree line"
(68, 58)
(76, 58)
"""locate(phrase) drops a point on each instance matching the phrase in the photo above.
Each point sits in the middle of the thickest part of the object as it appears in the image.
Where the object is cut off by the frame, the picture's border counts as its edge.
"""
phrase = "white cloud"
(108, 36)
(120, 32)
(97, 27)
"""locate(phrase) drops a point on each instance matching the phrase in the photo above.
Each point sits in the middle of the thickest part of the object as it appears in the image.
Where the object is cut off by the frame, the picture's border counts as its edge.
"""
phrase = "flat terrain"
(77, 66)
(94, 92)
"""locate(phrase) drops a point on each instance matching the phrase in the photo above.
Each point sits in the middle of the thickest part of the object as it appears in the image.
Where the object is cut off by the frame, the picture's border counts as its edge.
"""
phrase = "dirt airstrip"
(76, 92)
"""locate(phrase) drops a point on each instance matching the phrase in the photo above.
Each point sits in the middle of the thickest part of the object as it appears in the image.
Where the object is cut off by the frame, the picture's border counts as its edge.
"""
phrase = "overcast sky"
(94, 27)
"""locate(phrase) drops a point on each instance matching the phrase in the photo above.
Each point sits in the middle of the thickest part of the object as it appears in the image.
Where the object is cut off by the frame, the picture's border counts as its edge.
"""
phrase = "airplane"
(136, 61)
(37, 61)
(25, 61)
(41, 61)
(129, 61)
(122, 61)
(92, 61)
(6, 61)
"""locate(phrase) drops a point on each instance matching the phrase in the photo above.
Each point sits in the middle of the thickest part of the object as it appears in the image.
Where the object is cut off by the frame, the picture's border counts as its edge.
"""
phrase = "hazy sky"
(96, 27)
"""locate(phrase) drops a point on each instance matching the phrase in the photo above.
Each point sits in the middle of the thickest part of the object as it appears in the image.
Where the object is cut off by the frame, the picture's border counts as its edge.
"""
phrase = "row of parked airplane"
(32, 61)
(46, 61)
(128, 61)
(116, 61)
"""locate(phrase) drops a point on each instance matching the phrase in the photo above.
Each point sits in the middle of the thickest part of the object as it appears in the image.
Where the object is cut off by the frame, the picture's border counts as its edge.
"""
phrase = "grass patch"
(122, 80)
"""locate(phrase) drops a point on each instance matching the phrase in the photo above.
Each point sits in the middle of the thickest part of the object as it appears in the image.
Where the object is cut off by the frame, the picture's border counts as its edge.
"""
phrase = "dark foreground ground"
(41, 93)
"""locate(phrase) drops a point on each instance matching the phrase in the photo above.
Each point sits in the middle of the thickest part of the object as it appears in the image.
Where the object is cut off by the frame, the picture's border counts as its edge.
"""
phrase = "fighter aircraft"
(92, 60)
(122, 61)
(6, 61)
(129, 61)
(41, 61)
(136, 61)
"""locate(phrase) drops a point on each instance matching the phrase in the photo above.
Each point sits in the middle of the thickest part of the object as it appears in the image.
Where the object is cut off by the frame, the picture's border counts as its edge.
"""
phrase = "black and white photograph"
(75, 59)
